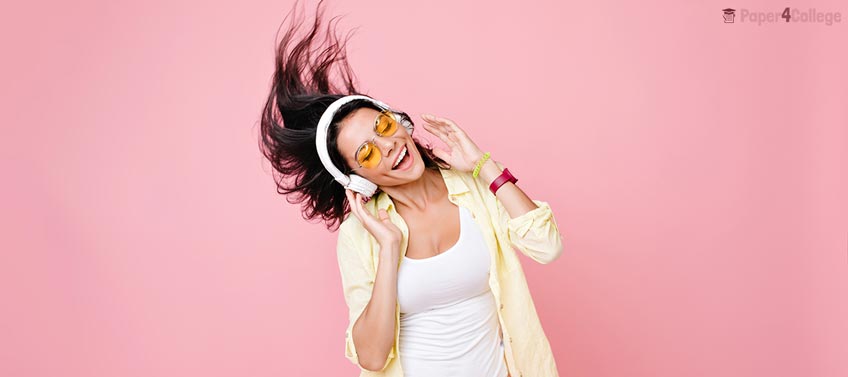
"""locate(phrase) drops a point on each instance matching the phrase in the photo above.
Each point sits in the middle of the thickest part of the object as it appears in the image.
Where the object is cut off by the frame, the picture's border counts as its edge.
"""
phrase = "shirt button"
(501, 306)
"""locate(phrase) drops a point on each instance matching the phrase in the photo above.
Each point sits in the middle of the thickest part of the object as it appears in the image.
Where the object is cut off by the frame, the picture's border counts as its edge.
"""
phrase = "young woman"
(428, 264)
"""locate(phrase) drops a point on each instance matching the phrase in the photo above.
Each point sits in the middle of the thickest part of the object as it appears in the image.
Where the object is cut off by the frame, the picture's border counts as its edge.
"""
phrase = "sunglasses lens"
(368, 156)
(386, 125)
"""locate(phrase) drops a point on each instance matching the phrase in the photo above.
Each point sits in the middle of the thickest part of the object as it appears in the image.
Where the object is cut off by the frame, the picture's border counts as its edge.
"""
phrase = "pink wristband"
(505, 177)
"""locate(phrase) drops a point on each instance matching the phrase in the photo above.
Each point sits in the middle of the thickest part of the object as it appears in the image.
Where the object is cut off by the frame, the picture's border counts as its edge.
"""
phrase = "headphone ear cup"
(362, 185)
(405, 122)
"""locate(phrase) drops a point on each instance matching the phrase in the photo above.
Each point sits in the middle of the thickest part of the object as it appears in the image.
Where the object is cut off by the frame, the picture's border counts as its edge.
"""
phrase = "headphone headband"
(353, 182)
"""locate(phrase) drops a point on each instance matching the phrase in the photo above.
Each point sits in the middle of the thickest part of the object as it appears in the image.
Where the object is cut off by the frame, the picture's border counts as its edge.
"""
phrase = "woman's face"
(358, 128)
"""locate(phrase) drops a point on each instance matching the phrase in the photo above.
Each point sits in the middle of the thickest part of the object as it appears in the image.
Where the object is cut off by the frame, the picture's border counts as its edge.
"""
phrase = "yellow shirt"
(535, 234)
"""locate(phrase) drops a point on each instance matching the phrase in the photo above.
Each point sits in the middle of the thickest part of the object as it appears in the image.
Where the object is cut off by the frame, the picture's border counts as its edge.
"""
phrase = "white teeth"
(400, 157)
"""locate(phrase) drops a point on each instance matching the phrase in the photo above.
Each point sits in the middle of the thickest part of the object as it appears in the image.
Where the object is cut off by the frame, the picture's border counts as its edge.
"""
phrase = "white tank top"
(448, 318)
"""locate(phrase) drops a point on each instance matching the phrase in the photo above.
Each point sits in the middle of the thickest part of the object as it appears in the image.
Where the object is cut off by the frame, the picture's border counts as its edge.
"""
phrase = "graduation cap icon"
(729, 14)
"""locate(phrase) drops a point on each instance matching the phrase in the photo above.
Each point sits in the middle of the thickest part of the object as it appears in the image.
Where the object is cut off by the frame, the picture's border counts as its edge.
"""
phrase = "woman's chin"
(415, 169)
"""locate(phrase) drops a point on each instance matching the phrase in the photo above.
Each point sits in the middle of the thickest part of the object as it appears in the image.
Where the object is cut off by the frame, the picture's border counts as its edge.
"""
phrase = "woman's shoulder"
(464, 180)
(350, 226)
(452, 176)
(352, 246)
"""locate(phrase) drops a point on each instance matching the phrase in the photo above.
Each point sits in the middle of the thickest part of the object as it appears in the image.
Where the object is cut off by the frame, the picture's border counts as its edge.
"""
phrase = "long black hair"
(300, 92)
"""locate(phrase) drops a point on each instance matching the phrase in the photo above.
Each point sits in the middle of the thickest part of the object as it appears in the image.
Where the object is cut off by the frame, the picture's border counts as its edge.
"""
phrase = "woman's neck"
(420, 193)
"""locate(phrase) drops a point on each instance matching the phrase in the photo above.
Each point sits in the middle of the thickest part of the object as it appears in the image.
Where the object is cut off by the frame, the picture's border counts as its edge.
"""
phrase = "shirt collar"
(455, 183)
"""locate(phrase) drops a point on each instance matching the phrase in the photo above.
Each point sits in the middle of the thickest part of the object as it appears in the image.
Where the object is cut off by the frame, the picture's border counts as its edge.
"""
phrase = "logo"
(729, 14)
(787, 15)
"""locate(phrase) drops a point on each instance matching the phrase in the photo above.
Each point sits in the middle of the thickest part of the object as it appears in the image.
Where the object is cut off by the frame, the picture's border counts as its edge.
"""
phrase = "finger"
(358, 200)
(351, 200)
(354, 203)
(441, 134)
(433, 122)
(364, 214)
(359, 205)
(446, 122)
(450, 133)
(445, 156)
(451, 124)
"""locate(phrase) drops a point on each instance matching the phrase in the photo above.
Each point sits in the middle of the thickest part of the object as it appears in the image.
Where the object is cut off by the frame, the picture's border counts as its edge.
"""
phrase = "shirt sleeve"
(534, 233)
(357, 276)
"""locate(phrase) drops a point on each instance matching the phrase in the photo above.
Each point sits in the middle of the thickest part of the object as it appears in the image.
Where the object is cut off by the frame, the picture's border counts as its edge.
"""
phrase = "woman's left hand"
(463, 154)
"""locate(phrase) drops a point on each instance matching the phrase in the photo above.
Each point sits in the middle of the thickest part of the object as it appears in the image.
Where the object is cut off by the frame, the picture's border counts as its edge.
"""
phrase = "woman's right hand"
(382, 228)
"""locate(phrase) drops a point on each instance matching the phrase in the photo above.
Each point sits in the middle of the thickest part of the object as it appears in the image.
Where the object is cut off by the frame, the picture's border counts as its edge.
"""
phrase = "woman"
(428, 265)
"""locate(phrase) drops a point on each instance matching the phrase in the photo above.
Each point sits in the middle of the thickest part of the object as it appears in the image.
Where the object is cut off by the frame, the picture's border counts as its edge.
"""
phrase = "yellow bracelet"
(480, 164)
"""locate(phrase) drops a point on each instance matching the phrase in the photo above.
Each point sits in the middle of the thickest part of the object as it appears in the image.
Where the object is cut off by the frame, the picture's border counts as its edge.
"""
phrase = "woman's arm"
(374, 331)
(370, 335)
(514, 200)
(528, 224)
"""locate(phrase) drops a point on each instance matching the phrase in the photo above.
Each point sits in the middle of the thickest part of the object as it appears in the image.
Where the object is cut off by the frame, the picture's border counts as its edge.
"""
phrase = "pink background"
(697, 170)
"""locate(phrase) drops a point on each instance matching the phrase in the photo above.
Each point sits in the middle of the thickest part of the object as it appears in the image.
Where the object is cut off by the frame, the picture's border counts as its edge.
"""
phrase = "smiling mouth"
(404, 154)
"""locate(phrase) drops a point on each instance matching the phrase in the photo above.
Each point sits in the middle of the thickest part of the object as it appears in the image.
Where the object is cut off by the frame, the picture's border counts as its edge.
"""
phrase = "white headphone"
(353, 182)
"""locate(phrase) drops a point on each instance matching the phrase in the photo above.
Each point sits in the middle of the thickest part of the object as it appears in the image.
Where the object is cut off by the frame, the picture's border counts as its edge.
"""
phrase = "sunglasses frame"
(391, 116)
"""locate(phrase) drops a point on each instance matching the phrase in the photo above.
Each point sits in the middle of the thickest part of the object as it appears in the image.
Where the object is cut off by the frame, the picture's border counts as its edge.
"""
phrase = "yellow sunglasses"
(368, 155)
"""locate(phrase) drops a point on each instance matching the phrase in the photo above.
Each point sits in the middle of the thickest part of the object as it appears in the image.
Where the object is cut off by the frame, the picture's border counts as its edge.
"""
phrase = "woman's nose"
(387, 146)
